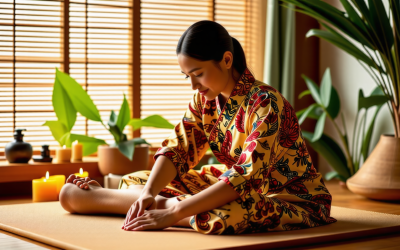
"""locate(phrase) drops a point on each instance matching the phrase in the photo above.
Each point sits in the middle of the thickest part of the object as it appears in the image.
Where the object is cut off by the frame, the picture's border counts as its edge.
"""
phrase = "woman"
(267, 181)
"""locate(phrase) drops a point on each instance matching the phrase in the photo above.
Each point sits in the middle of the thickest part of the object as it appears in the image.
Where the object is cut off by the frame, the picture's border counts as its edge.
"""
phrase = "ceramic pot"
(18, 151)
(112, 161)
(379, 177)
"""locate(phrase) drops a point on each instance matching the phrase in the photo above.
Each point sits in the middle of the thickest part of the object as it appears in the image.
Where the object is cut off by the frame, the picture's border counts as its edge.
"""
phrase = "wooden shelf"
(17, 172)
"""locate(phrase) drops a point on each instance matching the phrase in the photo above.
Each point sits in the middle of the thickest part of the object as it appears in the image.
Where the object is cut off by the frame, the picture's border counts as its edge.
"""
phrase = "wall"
(348, 76)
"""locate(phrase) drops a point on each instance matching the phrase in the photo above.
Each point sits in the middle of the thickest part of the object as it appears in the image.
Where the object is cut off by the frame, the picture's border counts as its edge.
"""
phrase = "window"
(110, 48)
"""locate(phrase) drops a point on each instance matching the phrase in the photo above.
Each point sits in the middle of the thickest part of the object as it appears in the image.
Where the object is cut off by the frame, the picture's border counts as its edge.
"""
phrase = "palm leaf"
(395, 5)
(325, 12)
(338, 40)
(353, 15)
(331, 151)
(367, 102)
(363, 9)
(367, 138)
(381, 24)
(370, 101)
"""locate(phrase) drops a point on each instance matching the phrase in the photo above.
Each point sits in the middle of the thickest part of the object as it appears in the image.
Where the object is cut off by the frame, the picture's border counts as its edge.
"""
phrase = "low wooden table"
(11, 172)
(341, 197)
(16, 178)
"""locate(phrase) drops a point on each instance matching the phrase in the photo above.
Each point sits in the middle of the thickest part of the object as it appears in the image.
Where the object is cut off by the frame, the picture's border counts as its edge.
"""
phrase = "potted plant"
(121, 157)
(344, 159)
(377, 34)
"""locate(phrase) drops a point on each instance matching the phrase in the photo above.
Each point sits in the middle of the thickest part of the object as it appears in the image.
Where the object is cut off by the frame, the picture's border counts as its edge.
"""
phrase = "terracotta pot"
(379, 177)
(112, 161)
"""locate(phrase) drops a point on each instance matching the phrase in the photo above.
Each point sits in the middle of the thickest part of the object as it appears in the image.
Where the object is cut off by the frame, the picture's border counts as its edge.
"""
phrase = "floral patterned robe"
(257, 137)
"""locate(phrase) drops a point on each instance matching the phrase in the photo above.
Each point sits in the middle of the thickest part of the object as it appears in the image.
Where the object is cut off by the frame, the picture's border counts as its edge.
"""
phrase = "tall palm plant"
(370, 34)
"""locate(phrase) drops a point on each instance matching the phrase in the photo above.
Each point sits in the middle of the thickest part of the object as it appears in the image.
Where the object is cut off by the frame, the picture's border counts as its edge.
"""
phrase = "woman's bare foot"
(83, 183)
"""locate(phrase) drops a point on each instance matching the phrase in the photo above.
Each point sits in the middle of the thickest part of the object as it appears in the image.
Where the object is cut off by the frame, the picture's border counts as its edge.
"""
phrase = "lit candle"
(82, 173)
(44, 190)
(59, 179)
(76, 152)
(63, 154)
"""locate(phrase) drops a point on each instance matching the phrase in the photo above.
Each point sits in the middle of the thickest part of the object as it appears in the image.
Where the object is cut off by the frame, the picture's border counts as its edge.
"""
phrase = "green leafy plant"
(69, 98)
(344, 160)
(377, 34)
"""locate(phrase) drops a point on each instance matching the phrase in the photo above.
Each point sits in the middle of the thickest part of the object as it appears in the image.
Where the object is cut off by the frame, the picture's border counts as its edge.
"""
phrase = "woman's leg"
(91, 198)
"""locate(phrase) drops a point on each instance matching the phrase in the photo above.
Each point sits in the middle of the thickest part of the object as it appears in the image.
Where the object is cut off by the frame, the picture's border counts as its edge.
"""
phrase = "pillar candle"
(59, 179)
(76, 152)
(44, 190)
(63, 155)
(82, 173)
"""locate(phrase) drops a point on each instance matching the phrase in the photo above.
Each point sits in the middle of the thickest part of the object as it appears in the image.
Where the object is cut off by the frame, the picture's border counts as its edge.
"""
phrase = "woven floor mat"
(49, 223)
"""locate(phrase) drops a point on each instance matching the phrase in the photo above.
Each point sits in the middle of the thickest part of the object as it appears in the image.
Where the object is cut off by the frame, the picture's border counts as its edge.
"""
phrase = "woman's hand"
(154, 219)
(145, 202)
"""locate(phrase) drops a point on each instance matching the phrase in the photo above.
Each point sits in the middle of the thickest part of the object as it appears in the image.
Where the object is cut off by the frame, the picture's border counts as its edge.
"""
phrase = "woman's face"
(206, 77)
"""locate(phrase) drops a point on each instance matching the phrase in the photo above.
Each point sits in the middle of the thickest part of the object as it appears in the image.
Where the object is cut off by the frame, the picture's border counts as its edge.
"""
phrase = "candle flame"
(75, 142)
(64, 146)
(44, 180)
(47, 175)
(81, 171)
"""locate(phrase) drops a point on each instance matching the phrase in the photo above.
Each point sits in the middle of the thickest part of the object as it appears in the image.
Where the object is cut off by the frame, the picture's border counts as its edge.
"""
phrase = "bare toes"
(76, 180)
(71, 178)
(94, 183)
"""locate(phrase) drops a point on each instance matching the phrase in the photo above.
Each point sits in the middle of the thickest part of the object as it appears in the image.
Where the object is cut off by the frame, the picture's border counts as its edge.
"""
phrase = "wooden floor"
(341, 197)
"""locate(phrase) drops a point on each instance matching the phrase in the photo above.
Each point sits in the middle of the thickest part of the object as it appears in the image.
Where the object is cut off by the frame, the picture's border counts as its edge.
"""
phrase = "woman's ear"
(227, 59)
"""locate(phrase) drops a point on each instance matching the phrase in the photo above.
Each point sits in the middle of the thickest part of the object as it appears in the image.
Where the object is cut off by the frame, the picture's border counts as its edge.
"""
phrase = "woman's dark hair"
(208, 40)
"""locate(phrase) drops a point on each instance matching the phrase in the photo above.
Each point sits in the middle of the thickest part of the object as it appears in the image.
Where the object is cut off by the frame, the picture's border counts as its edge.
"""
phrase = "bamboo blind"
(163, 87)
(90, 39)
(111, 48)
(31, 48)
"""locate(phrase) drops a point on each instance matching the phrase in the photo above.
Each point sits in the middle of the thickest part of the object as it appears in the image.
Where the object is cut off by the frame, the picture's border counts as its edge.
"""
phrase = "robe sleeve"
(188, 143)
(249, 174)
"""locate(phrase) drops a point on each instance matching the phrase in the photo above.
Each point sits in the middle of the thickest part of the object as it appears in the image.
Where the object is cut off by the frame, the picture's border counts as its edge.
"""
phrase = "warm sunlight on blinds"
(31, 48)
(245, 20)
(163, 88)
(93, 40)
(100, 57)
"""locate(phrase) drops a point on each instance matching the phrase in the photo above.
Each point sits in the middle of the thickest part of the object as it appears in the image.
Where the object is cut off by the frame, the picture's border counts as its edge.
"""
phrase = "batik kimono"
(257, 138)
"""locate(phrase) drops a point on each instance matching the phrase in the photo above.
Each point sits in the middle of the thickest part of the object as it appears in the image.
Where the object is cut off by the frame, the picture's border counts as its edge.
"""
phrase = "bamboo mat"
(49, 223)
